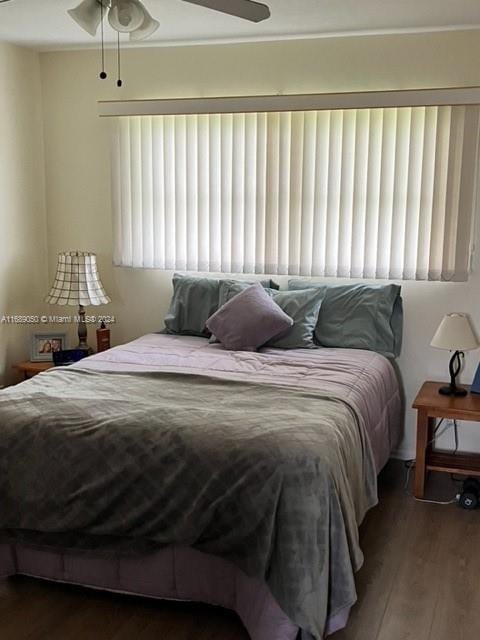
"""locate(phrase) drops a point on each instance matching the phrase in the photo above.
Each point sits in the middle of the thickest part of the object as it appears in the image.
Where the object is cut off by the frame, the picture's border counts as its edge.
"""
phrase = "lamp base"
(82, 330)
(458, 392)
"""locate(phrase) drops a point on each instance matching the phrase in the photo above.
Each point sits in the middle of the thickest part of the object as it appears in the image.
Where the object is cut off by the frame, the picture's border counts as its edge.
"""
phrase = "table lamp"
(455, 333)
(77, 283)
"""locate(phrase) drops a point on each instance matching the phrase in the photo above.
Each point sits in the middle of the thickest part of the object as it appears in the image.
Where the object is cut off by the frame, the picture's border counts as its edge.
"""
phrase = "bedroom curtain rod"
(301, 102)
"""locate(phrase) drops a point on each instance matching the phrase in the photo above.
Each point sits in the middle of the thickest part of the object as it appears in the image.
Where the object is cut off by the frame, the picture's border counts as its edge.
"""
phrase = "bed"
(173, 468)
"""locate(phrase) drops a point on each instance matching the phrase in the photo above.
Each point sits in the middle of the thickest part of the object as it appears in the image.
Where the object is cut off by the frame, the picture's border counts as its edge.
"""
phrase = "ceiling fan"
(131, 16)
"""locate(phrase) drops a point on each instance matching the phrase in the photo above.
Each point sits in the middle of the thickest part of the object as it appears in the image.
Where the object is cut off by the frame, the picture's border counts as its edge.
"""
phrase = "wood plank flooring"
(420, 581)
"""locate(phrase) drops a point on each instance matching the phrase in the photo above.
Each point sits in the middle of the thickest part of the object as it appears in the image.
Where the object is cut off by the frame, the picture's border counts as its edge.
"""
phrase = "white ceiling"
(44, 24)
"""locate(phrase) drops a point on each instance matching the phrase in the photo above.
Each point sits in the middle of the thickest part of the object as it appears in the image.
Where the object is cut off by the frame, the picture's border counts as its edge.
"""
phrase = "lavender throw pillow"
(249, 320)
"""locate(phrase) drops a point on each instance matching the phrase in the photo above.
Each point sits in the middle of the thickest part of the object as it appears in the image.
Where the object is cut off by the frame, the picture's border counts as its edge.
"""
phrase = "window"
(361, 193)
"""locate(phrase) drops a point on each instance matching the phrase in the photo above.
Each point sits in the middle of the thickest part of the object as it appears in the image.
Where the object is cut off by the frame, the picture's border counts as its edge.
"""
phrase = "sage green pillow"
(358, 316)
(302, 306)
(194, 300)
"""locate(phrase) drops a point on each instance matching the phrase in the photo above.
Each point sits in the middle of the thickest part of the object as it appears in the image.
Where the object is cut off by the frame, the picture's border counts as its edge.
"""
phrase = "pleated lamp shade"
(77, 281)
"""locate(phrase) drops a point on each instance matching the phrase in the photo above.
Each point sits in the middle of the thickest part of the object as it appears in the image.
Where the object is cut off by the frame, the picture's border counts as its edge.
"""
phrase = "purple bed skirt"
(172, 573)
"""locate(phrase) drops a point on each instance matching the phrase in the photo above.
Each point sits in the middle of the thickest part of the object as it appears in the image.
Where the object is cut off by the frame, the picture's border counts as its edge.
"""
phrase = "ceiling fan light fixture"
(88, 15)
(148, 28)
(126, 16)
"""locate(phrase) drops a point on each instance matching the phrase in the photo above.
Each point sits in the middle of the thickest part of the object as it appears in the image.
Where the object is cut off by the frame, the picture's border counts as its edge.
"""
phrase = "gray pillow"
(194, 300)
(230, 288)
(358, 316)
(302, 306)
(249, 320)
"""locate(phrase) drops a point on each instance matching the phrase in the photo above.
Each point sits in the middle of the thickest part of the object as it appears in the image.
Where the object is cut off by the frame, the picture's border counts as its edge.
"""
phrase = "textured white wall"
(23, 244)
(77, 156)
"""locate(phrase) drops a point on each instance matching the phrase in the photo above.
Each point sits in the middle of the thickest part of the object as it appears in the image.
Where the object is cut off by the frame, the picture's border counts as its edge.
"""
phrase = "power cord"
(410, 464)
(455, 431)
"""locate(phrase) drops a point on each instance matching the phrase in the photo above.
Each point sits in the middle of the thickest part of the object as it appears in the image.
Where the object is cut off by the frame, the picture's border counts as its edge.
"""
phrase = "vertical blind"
(361, 193)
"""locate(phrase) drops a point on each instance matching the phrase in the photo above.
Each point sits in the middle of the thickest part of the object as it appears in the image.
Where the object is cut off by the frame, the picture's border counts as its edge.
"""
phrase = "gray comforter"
(275, 478)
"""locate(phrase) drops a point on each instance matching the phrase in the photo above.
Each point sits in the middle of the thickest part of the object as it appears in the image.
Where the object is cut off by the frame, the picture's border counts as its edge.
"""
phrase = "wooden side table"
(31, 369)
(431, 405)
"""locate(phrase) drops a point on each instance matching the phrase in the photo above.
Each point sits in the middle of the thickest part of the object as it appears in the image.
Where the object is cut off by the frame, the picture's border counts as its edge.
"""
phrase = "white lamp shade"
(126, 15)
(455, 333)
(88, 15)
(147, 29)
(77, 281)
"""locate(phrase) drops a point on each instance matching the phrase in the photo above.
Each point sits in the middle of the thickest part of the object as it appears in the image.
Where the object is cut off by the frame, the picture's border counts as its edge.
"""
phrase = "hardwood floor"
(420, 581)
(421, 576)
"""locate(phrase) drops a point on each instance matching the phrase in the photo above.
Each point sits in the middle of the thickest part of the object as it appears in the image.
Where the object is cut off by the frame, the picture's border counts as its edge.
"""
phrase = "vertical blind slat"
(468, 195)
(360, 190)
(414, 193)
(136, 205)
(453, 192)
(116, 163)
(347, 187)
(368, 193)
(125, 187)
(158, 195)
(321, 190)
(296, 190)
(261, 196)
(284, 193)
(439, 194)
(203, 203)
(250, 161)
(238, 192)
(170, 202)
(191, 183)
(226, 167)
(427, 183)
(272, 188)
(308, 193)
(147, 192)
(215, 199)
(387, 189)
(333, 193)
(374, 174)
(400, 191)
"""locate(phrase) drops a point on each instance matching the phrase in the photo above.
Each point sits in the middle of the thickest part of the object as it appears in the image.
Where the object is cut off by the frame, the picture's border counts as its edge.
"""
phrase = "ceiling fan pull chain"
(103, 73)
(119, 81)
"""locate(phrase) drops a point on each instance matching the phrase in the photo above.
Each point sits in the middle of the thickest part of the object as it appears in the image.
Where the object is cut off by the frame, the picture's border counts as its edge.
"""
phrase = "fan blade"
(246, 9)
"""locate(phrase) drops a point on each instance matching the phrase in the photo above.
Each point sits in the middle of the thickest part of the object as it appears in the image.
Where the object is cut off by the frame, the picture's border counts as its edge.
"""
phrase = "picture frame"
(475, 388)
(44, 344)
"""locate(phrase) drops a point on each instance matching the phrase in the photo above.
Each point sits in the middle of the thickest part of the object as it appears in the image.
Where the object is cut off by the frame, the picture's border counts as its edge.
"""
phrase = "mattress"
(362, 381)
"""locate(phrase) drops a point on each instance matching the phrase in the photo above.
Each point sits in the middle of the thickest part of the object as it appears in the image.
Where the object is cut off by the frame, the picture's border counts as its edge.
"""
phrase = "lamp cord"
(410, 464)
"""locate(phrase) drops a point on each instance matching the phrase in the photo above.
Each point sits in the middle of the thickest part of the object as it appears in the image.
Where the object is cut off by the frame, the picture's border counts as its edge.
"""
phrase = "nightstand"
(31, 369)
(430, 405)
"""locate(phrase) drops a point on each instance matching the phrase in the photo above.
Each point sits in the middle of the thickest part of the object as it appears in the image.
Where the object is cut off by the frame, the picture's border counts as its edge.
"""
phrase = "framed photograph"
(45, 344)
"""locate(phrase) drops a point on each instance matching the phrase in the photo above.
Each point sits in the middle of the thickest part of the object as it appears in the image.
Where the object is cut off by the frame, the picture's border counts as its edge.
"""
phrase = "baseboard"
(403, 454)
